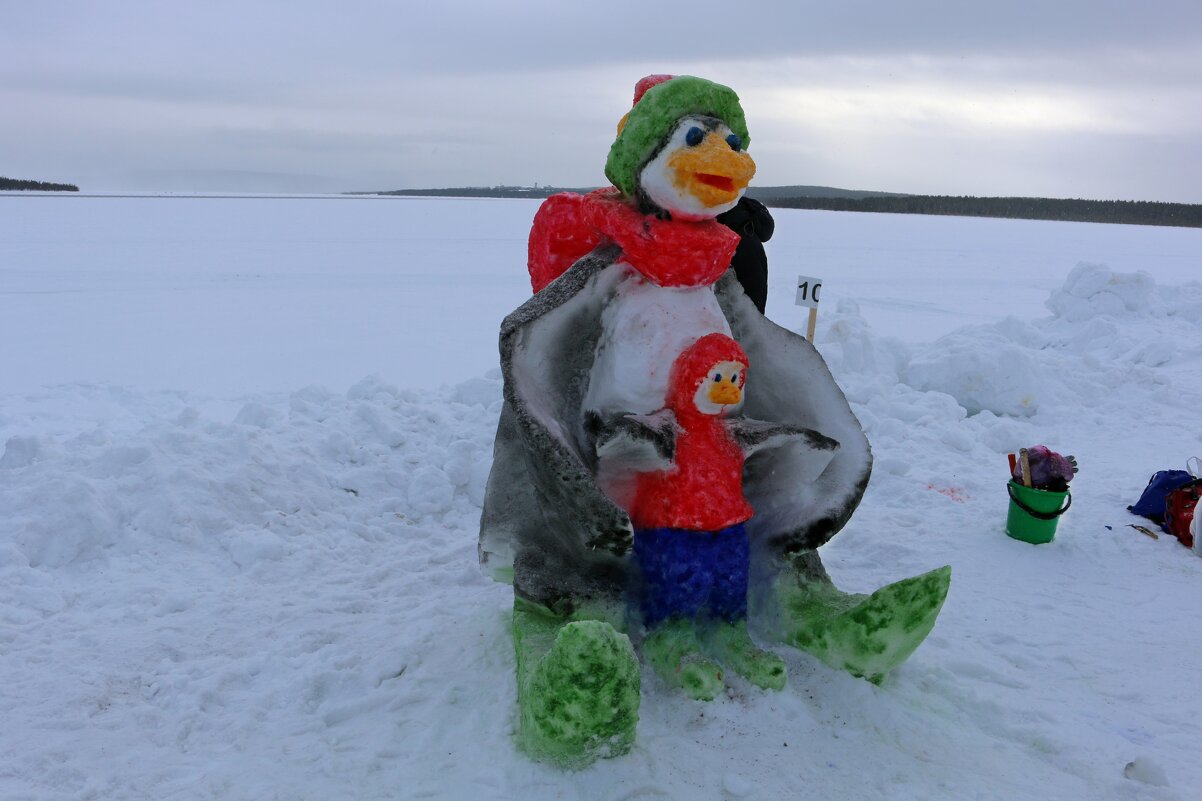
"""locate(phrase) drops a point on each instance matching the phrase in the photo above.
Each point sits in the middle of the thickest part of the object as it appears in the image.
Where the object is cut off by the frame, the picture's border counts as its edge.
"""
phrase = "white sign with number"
(808, 291)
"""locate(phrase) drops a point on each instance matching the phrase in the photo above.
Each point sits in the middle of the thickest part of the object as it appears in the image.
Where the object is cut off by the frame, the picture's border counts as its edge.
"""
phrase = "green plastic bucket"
(1035, 512)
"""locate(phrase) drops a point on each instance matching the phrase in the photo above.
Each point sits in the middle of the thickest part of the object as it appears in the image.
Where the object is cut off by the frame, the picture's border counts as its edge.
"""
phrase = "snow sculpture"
(690, 542)
(601, 433)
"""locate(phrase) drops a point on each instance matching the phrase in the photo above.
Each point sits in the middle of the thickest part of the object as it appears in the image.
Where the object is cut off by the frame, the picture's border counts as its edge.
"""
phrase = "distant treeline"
(482, 191)
(9, 184)
(1133, 212)
(767, 194)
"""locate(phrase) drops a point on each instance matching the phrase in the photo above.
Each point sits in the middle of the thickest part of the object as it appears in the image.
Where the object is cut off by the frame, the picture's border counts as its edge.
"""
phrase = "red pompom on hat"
(644, 84)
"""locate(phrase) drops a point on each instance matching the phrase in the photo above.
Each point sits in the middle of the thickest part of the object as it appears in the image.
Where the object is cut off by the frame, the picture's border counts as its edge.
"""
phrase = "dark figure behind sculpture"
(752, 222)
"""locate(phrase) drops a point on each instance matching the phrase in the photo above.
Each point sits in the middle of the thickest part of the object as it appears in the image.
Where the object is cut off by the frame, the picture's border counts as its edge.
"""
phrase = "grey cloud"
(377, 94)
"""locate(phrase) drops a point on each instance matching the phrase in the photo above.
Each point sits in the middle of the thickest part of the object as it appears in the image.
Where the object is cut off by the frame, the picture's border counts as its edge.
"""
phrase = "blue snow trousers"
(692, 573)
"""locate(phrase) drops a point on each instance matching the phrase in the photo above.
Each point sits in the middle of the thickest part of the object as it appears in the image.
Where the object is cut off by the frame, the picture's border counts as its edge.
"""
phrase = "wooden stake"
(1025, 461)
(813, 324)
(1145, 530)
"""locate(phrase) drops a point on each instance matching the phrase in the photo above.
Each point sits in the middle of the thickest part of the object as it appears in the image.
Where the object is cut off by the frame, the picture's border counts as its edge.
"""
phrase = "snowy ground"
(243, 445)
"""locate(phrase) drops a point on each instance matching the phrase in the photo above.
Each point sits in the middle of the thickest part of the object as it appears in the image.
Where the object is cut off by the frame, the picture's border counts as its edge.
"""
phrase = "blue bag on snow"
(1152, 503)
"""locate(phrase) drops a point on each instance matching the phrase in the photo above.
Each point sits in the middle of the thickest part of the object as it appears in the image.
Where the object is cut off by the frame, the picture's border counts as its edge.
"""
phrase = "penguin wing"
(795, 510)
(813, 451)
(546, 524)
(634, 442)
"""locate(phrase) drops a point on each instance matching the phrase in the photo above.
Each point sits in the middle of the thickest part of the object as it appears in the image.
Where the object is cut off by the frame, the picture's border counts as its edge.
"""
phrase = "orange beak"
(712, 172)
(725, 393)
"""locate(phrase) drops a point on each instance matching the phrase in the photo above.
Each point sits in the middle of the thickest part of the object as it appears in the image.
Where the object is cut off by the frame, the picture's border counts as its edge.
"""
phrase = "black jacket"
(752, 222)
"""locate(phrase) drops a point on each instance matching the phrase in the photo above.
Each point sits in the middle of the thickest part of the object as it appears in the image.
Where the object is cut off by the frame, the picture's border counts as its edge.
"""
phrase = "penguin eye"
(717, 378)
(734, 379)
(694, 136)
(734, 141)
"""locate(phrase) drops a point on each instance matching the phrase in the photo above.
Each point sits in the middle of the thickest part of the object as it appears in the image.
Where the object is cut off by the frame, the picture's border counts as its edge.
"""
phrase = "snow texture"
(544, 513)
(230, 571)
(643, 329)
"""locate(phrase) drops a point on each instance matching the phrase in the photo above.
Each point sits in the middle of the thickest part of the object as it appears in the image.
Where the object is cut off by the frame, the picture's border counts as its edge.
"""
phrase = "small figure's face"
(722, 390)
(701, 171)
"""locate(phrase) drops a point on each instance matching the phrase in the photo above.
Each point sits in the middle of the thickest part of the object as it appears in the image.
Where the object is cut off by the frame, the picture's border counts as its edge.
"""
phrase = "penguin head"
(722, 390)
(700, 170)
(682, 147)
(708, 378)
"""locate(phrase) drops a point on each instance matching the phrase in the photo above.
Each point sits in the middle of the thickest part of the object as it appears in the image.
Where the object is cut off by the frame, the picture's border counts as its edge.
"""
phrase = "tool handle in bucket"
(1068, 501)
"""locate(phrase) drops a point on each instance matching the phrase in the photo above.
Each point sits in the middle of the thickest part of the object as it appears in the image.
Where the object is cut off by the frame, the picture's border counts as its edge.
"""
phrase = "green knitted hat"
(656, 110)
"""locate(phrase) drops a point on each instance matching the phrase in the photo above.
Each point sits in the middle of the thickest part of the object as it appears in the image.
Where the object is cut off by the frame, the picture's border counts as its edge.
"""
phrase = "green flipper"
(732, 645)
(866, 635)
(578, 688)
(674, 651)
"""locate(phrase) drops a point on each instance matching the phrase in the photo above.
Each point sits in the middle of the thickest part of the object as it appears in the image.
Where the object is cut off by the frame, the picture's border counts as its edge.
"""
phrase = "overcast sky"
(1093, 99)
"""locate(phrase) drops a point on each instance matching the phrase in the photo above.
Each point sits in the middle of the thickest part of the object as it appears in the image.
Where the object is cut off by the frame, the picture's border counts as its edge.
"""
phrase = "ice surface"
(254, 295)
(360, 653)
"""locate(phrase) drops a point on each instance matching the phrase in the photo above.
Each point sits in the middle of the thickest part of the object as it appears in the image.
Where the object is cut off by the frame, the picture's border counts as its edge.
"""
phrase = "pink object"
(1049, 470)
(703, 491)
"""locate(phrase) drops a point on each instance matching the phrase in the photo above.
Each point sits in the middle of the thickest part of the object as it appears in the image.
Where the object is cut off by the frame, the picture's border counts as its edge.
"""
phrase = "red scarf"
(670, 253)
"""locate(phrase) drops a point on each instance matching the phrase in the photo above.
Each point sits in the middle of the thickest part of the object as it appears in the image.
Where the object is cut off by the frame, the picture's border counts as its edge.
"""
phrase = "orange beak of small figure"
(725, 393)
(712, 172)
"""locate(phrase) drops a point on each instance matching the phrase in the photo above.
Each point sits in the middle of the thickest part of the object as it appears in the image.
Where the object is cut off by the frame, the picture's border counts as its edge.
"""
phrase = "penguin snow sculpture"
(626, 280)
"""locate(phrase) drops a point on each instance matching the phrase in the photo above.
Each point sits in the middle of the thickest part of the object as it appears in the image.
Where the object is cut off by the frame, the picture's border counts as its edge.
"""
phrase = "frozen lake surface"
(230, 296)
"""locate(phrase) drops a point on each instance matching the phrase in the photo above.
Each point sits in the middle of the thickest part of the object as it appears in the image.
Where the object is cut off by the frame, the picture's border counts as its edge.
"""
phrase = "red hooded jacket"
(703, 490)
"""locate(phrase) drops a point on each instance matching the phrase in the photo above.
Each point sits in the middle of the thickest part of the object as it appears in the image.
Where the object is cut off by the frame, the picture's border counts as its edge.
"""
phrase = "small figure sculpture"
(690, 545)
(597, 467)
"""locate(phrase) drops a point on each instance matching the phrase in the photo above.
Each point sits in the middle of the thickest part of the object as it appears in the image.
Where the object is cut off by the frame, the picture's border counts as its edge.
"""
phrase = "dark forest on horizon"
(1129, 212)
(13, 184)
(825, 198)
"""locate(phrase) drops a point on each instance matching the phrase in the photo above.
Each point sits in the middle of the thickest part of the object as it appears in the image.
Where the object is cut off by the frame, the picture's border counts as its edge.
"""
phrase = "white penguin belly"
(643, 329)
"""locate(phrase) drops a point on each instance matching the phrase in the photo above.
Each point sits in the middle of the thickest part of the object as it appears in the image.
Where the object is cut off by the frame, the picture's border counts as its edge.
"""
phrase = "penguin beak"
(712, 172)
(725, 393)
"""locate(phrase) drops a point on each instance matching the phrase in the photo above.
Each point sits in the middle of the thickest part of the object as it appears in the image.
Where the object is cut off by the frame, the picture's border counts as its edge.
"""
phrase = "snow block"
(578, 687)
(866, 635)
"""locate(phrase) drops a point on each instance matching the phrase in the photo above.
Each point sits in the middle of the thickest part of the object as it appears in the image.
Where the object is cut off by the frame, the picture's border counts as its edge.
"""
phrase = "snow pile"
(1092, 290)
(248, 486)
(182, 589)
(1100, 319)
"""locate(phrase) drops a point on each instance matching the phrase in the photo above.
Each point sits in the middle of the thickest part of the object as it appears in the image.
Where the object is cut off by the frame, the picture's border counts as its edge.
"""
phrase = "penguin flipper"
(635, 442)
(757, 435)
(794, 510)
